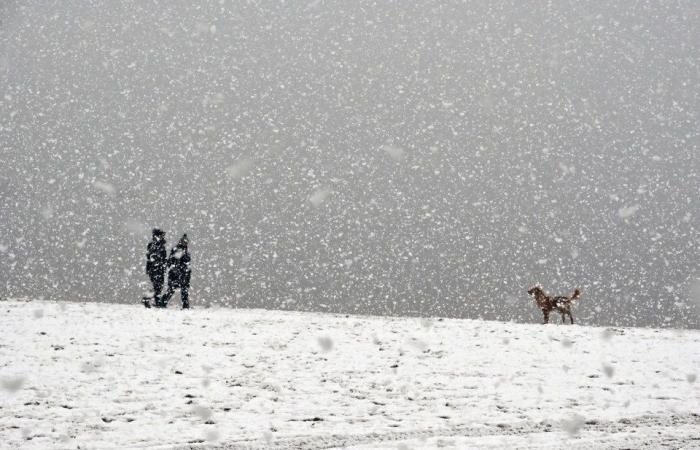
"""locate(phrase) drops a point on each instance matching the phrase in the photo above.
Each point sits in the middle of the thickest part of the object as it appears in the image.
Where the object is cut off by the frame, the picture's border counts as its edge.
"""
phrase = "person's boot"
(185, 305)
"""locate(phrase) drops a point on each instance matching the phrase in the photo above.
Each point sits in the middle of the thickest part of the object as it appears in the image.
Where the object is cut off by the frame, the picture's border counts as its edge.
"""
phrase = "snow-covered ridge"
(119, 376)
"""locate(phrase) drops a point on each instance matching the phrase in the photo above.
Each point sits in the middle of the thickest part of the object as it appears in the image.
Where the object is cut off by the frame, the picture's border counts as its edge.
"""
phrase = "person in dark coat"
(155, 265)
(179, 274)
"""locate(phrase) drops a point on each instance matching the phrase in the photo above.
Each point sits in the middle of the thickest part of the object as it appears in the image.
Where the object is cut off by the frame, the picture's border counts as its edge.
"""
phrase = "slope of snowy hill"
(79, 375)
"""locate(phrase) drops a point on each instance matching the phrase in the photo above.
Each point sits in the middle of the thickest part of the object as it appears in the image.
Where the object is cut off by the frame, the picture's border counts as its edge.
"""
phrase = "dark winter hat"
(158, 232)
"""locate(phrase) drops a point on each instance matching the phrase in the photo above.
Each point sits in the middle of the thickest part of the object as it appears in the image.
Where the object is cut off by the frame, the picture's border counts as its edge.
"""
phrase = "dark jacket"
(179, 264)
(155, 257)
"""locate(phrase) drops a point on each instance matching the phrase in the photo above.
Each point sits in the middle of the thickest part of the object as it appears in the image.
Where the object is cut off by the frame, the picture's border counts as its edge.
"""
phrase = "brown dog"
(547, 303)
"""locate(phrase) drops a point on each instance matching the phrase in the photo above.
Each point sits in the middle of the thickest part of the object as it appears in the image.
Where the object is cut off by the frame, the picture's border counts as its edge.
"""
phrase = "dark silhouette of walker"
(179, 274)
(155, 265)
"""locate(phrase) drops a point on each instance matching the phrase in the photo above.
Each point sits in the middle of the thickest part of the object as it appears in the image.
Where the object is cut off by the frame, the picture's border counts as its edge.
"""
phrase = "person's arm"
(172, 260)
(188, 271)
(162, 256)
(148, 257)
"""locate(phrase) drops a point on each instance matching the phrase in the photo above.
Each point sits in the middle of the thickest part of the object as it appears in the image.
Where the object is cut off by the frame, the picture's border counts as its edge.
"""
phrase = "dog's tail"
(577, 294)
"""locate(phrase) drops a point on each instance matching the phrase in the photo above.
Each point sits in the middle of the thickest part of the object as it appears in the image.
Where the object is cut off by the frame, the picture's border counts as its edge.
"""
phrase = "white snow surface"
(90, 375)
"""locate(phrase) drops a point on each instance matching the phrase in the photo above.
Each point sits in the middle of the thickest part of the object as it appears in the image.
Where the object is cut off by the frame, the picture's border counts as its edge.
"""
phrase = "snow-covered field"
(119, 376)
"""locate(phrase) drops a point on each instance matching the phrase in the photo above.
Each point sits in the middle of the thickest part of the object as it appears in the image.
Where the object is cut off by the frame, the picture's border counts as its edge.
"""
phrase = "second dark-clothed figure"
(179, 274)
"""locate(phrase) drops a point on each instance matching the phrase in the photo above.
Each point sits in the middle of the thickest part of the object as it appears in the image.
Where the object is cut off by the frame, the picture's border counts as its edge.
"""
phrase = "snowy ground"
(117, 376)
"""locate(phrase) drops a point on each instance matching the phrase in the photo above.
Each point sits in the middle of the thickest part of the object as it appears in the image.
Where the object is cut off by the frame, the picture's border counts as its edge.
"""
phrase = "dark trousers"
(157, 280)
(184, 293)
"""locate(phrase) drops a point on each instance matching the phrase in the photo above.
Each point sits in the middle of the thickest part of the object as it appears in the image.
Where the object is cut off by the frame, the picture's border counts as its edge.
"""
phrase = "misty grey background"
(433, 157)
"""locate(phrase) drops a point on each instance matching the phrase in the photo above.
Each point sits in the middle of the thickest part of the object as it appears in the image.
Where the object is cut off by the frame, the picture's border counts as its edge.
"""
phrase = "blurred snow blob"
(211, 435)
(203, 412)
(628, 211)
(573, 424)
(608, 370)
(239, 169)
(319, 196)
(326, 343)
(104, 187)
(12, 384)
(395, 153)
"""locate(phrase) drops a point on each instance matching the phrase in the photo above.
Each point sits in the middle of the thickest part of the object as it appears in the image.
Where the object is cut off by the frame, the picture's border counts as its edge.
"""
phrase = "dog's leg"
(571, 317)
(546, 316)
(563, 318)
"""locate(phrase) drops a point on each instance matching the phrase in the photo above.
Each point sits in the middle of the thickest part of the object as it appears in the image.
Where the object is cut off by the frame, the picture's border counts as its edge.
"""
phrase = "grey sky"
(429, 157)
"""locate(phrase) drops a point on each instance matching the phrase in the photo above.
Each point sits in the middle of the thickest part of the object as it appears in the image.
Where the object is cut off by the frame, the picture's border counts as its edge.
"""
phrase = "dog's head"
(534, 290)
